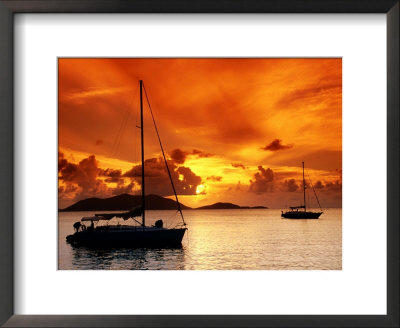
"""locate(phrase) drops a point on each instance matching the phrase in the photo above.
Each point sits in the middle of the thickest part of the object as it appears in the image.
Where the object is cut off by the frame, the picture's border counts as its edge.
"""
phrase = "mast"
(304, 190)
(165, 159)
(142, 145)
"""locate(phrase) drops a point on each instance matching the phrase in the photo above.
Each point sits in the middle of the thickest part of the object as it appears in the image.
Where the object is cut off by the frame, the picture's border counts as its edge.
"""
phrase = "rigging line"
(123, 131)
(128, 116)
(119, 131)
(140, 223)
(119, 134)
(119, 138)
(314, 191)
(165, 159)
(173, 221)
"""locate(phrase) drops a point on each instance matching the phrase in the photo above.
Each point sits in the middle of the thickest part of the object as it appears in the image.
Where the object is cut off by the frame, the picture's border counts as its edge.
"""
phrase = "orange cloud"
(276, 145)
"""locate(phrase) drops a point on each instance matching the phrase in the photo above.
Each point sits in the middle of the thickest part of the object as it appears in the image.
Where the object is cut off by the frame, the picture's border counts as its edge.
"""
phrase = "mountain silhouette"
(153, 202)
(123, 202)
(227, 206)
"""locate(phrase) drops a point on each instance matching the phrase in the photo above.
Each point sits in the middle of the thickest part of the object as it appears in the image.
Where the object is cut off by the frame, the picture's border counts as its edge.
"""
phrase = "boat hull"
(131, 238)
(301, 215)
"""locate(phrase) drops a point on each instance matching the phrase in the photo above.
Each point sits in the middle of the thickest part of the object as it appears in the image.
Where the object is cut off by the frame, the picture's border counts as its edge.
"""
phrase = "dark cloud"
(84, 174)
(201, 153)
(179, 156)
(99, 142)
(80, 180)
(238, 165)
(333, 186)
(189, 183)
(290, 185)
(62, 162)
(86, 179)
(157, 179)
(124, 189)
(263, 181)
(111, 175)
(153, 168)
(67, 189)
(276, 145)
(328, 186)
(214, 178)
(318, 185)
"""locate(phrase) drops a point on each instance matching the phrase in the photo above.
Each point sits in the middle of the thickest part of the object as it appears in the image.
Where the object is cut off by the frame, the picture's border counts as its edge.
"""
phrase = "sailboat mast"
(142, 145)
(304, 190)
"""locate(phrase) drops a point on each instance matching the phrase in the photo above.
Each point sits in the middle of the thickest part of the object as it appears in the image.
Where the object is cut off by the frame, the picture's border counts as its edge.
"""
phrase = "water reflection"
(221, 240)
(172, 258)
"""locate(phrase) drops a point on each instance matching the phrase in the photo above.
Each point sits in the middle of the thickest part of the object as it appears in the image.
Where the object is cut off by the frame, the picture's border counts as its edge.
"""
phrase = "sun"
(200, 189)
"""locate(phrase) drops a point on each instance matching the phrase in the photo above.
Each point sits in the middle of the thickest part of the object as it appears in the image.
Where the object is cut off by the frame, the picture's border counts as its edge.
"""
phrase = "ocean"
(240, 239)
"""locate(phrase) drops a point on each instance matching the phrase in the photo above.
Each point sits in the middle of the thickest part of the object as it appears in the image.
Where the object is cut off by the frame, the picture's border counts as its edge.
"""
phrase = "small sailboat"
(130, 235)
(296, 212)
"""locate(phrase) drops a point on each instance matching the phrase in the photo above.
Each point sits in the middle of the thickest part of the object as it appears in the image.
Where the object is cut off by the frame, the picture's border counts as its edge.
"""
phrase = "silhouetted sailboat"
(130, 235)
(294, 212)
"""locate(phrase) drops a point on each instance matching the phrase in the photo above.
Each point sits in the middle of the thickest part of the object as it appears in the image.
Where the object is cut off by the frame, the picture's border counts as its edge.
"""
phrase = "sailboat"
(296, 212)
(130, 235)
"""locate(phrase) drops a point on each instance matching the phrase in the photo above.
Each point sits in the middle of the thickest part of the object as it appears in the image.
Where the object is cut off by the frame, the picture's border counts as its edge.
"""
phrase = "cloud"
(189, 183)
(290, 185)
(80, 180)
(84, 174)
(214, 178)
(86, 179)
(201, 153)
(238, 165)
(81, 95)
(333, 186)
(112, 175)
(157, 179)
(276, 145)
(179, 156)
(124, 189)
(62, 162)
(313, 94)
(99, 142)
(263, 181)
(318, 185)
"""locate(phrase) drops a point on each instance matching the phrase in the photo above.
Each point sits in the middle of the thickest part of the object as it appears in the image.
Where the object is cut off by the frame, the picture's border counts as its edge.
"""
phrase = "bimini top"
(137, 211)
(93, 218)
(295, 207)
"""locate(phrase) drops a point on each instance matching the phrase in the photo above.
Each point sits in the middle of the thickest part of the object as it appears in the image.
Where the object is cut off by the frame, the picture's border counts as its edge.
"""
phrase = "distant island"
(153, 202)
(227, 206)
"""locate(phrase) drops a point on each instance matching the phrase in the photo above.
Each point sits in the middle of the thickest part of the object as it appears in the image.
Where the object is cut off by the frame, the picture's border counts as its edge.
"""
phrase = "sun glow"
(200, 189)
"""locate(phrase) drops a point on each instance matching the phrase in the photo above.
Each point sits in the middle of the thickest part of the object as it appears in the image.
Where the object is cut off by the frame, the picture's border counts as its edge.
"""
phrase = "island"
(152, 202)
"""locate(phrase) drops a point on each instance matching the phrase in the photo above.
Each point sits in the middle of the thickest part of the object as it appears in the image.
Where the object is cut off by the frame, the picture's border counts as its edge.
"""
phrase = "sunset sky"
(234, 130)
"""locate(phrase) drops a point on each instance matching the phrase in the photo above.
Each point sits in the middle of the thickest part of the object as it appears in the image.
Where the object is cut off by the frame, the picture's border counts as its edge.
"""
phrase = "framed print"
(190, 162)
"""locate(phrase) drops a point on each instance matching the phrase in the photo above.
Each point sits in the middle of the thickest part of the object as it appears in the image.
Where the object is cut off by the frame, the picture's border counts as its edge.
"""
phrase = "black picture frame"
(7, 11)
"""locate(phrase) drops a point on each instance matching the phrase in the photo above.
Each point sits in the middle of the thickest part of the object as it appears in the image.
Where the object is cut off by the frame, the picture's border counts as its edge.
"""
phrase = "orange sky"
(234, 130)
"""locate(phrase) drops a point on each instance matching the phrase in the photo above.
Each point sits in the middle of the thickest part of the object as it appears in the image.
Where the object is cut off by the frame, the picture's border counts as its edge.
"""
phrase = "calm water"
(221, 240)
